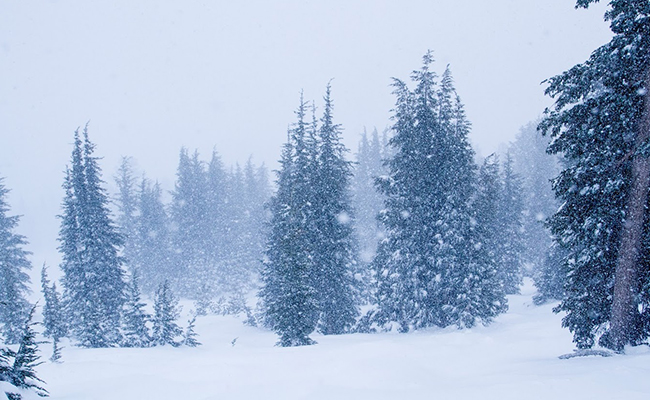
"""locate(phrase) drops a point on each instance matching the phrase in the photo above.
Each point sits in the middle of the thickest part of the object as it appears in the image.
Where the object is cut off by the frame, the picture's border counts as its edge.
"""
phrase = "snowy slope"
(514, 358)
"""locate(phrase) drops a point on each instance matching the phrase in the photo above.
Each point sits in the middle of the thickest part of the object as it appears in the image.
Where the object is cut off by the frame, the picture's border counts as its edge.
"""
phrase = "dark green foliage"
(166, 313)
(14, 280)
(594, 124)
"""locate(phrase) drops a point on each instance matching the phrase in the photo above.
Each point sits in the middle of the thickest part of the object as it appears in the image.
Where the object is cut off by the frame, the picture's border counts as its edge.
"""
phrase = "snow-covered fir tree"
(22, 373)
(191, 231)
(367, 202)
(427, 270)
(53, 318)
(335, 247)
(189, 338)
(600, 124)
(483, 287)
(289, 301)
(166, 313)
(14, 281)
(536, 168)
(152, 257)
(135, 318)
(127, 207)
(93, 278)
(510, 230)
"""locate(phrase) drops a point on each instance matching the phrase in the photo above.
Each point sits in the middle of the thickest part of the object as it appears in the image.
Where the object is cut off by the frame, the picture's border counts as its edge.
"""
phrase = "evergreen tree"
(427, 271)
(484, 284)
(217, 198)
(56, 352)
(136, 333)
(127, 207)
(93, 276)
(536, 168)
(601, 125)
(289, 301)
(153, 255)
(14, 280)
(189, 339)
(22, 373)
(53, 317)
(5, 368)
(511, 247)
(191, 230)
(334, 247)
(166, 312)
(367, 203)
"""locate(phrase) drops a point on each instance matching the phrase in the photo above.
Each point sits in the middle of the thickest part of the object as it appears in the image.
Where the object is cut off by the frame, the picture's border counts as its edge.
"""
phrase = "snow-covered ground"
(516, 357)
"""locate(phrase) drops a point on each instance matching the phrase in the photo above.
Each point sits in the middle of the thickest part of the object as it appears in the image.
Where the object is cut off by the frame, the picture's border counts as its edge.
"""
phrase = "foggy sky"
(154, 75)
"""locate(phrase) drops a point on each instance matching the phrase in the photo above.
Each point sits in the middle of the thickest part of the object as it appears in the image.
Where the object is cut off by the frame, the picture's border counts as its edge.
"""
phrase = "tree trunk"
(624, 306)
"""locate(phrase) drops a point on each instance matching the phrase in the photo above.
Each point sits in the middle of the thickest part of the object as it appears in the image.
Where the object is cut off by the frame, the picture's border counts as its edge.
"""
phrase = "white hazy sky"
(155, 75)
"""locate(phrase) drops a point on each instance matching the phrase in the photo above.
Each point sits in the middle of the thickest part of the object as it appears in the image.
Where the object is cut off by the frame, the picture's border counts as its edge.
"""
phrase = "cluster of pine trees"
(310, 260)
(450, 254)
(208, 241)
(450, 250)
(101, 305)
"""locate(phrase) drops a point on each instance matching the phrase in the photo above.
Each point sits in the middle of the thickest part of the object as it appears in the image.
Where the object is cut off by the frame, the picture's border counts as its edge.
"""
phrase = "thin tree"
(14, 281)
(166, 313)
(93, 275)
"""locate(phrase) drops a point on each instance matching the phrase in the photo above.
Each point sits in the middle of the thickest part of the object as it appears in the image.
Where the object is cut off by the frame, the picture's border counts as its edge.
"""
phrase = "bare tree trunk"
(624, 307)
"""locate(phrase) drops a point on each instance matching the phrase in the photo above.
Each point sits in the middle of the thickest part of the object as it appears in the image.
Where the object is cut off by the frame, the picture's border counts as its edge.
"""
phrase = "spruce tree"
(153, 258)
(289, 301)
(14, 281)
(93, 277)
(136, 332)
(53, 316)
(22, 373)
(335, 247)
(127, 201)
(427, 269)
(191, 230)
(511, 247)
(600, 123)
(367, 202)
(166, 313)
(482, 288)
(189, 338)
(536, 168)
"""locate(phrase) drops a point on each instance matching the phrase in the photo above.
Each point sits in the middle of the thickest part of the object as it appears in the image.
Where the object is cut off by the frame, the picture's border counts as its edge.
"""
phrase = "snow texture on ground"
(516, 357)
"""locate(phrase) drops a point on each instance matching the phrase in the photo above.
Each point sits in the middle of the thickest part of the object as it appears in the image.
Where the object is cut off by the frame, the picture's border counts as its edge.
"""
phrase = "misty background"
(152, 76)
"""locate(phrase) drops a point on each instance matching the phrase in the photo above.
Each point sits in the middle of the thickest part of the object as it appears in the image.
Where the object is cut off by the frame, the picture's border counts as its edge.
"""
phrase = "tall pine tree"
(427, 269)
(93, 277)
(289, 301)
(335, 246)
(14, 281)
(601, 125)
